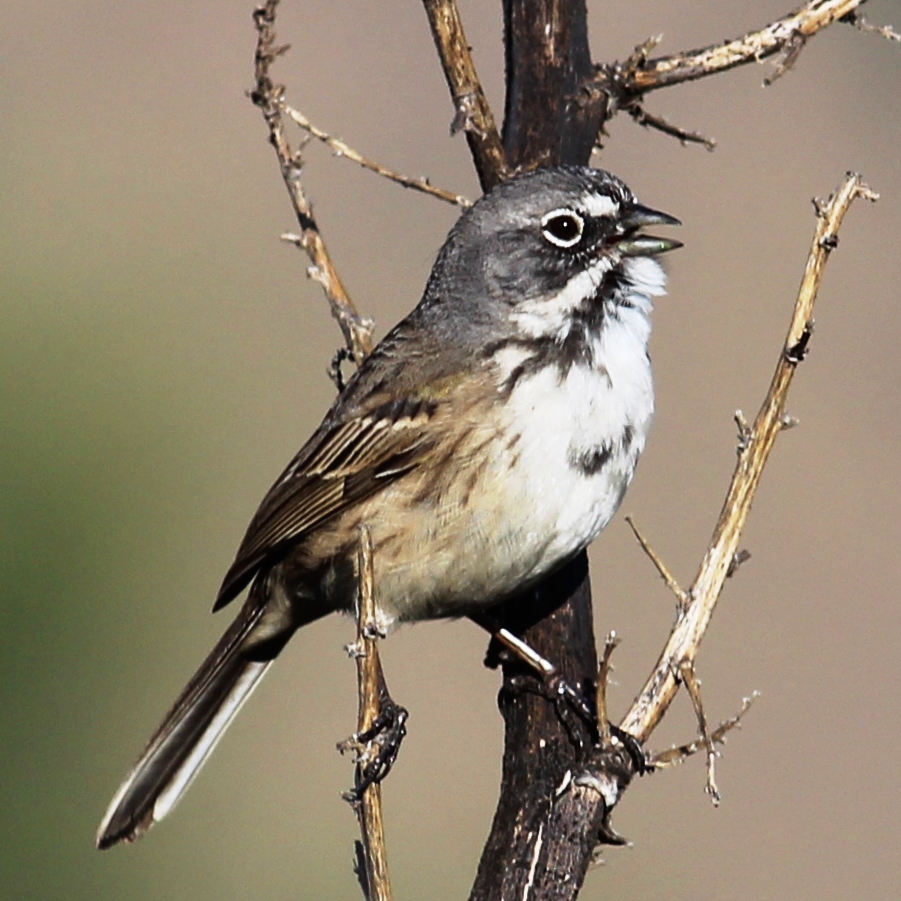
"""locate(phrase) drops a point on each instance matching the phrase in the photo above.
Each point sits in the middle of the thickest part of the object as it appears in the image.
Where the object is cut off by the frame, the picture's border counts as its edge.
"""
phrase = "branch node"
(791, 51)
(679, 754)
(789, 422)
(797, 352)
(745, 433)
(738, 558)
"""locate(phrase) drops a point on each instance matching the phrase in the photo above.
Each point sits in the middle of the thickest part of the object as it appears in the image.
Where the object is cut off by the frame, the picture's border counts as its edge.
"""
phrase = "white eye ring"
(563, 227)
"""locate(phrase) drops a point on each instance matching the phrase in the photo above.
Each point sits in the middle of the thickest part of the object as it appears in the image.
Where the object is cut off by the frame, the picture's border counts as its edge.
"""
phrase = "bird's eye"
(563, 228)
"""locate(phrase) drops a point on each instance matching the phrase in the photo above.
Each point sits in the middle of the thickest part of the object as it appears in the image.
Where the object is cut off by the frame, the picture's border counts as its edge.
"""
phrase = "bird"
(484, 442)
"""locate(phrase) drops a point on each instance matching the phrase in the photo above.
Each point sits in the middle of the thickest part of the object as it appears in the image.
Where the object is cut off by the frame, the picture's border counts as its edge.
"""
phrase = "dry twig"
(345, 150)
(269, 97)
(627, 82)
(472, 114)
(678, 754)
(754, 450)
(780, 36)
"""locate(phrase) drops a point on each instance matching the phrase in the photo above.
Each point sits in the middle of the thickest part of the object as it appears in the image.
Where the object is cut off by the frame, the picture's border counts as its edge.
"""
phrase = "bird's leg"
(377, 747)
(571, 705)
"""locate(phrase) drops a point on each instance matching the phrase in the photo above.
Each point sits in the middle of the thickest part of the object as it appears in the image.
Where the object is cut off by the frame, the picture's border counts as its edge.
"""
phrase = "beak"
(632, 244)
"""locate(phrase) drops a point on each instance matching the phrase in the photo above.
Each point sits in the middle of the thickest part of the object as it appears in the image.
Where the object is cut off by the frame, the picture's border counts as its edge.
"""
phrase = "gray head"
(542, 244)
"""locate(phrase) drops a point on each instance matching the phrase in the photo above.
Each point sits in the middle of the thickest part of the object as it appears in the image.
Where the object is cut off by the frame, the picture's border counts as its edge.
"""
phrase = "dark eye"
(563, 228)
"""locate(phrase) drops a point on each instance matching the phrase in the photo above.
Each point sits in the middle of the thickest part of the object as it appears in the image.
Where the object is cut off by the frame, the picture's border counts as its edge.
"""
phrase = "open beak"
(633, 244)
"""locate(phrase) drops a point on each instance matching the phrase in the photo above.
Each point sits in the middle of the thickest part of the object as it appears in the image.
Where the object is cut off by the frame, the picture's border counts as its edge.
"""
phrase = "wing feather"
(342, 464)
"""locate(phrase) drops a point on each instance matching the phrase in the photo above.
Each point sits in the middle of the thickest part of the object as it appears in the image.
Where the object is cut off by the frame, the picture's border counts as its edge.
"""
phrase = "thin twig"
(682, 596)
(604, 670)
(651, 120)
(369, 681)
(685, 639)
(472, 114)
(692, 684)
(345, 150)
(269, 97)
(678, 754)
(861, 24)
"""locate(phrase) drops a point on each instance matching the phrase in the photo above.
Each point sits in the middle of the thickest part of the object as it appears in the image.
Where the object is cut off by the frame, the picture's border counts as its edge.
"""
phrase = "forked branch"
(639, 75)
(754, 449)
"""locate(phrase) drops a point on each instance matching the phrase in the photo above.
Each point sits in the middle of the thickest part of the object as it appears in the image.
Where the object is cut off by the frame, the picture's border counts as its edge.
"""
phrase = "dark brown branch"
(651, 120)
(472, 114)
(551, 108)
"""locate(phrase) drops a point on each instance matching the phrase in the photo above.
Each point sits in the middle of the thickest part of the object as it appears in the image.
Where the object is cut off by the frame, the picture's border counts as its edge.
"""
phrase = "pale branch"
(688, 677)
(600, 701)
(367, 802)
(678, 754)
(343, 149)
(756, 443)
(626, 83)
(269, 97)
(472, 113)
(780, 36)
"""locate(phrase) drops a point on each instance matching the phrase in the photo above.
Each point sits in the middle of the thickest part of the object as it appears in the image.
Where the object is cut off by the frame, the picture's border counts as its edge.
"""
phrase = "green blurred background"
(162, 356)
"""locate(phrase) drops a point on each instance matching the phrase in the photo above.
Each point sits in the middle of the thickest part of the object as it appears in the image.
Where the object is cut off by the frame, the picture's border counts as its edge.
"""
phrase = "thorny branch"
(754, 449)
(373, 859)
(269, 97)
(626, 83)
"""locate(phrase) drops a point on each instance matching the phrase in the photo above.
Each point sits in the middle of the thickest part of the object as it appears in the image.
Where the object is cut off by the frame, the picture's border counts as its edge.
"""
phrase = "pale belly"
(524, 504)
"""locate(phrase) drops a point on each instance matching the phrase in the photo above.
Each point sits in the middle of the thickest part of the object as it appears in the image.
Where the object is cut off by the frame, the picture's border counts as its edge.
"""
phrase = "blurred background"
(162, 356)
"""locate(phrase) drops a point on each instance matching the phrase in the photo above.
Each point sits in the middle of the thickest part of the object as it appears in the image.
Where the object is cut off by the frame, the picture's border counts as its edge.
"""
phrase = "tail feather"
(189, 732)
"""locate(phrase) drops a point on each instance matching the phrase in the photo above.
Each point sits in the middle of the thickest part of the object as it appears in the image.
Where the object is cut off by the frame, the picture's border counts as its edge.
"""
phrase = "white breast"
(601, 414)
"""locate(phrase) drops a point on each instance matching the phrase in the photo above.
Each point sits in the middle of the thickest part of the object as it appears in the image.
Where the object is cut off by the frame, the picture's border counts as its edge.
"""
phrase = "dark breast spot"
(591, 461)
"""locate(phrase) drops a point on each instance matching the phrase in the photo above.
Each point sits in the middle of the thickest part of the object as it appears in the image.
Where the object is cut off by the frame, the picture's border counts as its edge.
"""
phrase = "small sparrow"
(486, 441)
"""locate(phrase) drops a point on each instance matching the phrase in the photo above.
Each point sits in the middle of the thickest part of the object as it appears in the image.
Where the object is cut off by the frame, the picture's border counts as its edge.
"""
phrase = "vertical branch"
(368, 805)
(552, 114)
(548, 818)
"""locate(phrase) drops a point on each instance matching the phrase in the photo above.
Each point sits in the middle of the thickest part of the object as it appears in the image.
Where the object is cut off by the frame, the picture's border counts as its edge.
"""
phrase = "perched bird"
(485, 441)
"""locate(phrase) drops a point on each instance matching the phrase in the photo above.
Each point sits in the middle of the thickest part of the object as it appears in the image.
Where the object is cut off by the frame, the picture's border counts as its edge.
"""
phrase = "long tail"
(196, 722)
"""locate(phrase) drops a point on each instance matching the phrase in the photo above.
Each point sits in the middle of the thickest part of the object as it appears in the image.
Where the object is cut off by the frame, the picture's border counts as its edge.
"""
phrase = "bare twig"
(755, 46)
(368, 806)
(758, 440)
(651, 120)
(345, 150)
(678, 754)
(604, 669)
(861, 24)
(472, 114)
(692, 684)
(269, 97)
(682, 596)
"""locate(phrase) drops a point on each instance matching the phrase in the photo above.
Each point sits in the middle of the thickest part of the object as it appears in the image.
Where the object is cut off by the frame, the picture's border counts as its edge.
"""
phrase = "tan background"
(162, 356)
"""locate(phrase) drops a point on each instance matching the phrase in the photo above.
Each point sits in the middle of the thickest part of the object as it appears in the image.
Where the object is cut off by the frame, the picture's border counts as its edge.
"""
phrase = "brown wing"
(343, 463)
